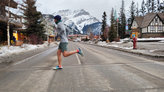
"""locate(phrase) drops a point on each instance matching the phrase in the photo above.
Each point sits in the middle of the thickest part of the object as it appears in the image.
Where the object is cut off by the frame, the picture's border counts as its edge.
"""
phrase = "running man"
(61, 31)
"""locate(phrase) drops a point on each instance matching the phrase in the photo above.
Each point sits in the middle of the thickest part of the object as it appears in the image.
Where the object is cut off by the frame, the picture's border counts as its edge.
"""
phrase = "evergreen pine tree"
(104, 24)
(153, 6)
(162, 7)
(137, 10)
(148, 6)
(89, 31)
(33, 18)
(122, 21)
(112, 33)
(158, 6)
(132, 13)
(143, 8)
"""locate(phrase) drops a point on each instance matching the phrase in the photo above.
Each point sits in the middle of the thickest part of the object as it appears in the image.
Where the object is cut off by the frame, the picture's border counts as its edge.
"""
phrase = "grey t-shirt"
(61, 30)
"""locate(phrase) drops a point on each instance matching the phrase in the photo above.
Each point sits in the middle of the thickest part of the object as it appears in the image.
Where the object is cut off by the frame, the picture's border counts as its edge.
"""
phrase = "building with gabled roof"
(150, 25)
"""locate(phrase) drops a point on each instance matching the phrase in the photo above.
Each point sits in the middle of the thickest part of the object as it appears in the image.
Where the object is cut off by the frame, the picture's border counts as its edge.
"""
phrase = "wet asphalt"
(100, 70)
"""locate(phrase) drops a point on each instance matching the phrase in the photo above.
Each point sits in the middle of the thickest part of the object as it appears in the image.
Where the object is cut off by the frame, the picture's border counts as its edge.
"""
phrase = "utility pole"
(8, 25)
(118, 19)
(117, 28)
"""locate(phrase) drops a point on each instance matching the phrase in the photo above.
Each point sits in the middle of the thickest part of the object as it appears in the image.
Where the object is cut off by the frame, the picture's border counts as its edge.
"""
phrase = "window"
(152, 28)
(156, 20)
(160, 28)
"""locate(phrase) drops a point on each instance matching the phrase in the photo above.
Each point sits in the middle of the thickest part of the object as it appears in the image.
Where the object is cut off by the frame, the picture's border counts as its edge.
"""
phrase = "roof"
(139, 20)
(161, 15)
(144, 21)
(147, 19)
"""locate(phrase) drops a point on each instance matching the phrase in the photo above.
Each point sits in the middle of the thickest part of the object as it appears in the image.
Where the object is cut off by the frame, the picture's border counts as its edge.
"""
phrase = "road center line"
(79, 62)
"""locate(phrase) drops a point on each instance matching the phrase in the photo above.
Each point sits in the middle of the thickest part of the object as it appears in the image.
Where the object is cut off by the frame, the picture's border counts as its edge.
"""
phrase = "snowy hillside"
(49, 18)
(49, 23)
(95, 28)
(78, 19)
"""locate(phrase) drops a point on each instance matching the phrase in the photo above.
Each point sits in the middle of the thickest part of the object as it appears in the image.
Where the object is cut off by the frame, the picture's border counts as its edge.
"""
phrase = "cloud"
(95, 7)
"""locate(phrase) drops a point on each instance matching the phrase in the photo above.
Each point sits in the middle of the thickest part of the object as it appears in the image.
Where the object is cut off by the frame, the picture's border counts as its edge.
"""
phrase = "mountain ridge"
(79, 20)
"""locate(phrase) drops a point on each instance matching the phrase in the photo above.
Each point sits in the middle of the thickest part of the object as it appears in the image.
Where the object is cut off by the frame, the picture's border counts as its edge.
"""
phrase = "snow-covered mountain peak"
(63, 12)
(78, 13)
(77, 18)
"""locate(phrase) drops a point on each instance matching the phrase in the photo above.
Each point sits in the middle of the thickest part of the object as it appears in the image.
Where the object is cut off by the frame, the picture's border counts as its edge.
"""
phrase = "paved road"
(100, 70)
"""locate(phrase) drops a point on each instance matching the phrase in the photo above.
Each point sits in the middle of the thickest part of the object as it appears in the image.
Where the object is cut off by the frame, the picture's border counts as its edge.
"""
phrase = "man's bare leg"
(59, 57)
(66, 53)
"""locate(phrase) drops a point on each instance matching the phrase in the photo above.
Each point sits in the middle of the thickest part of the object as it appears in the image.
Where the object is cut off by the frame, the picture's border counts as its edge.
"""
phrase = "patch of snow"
(102, 43)
(152, 51)
(117, 42)
(161, 41)
(127, 48)
(153, 48)
(141, 51)
(113, 45)
(143, 39)
(17, 49)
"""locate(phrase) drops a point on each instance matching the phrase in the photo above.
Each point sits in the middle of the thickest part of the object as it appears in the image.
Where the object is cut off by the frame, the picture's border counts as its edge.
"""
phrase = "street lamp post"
(8, 25)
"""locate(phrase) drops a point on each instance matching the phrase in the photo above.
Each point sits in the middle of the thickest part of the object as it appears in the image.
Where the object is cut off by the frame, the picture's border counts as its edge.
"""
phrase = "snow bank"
(154, 48)
(102, 43)
(17, 49)
(150, 39)
(114, 44)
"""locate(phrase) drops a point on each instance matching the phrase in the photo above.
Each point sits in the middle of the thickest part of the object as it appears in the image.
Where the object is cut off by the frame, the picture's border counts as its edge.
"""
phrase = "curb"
(123, 50)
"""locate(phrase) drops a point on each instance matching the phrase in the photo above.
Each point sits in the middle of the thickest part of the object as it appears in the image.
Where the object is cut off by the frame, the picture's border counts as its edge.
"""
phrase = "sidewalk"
(153, 49)
(16, 53)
